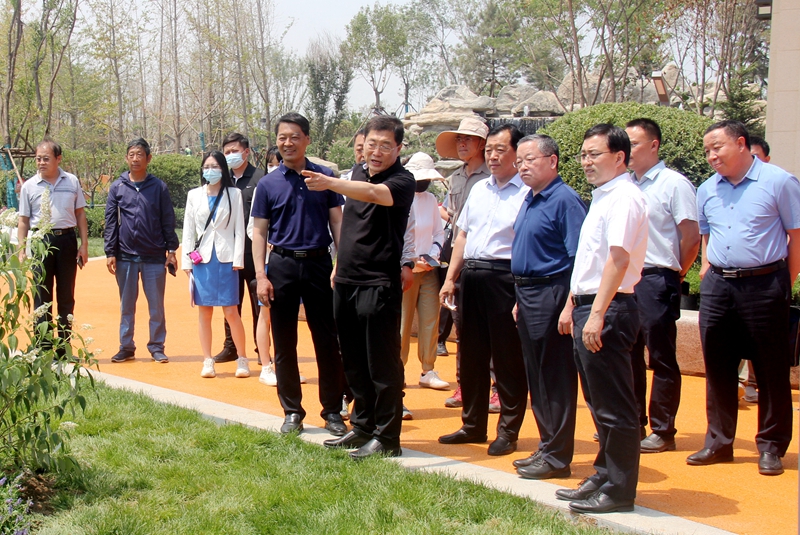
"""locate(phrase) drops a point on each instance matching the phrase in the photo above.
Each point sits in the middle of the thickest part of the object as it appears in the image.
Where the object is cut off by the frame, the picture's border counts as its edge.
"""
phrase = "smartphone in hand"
(80, 261)
(172, 269)
(430, 260)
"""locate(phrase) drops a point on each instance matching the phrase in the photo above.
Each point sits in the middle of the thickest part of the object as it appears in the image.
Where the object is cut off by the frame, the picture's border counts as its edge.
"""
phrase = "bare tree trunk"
(14, 41)
(175, 75)
(57, 67)
(576, 50)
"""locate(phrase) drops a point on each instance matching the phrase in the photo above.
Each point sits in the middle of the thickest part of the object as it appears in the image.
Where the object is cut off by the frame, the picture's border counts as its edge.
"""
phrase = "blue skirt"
(215, 284)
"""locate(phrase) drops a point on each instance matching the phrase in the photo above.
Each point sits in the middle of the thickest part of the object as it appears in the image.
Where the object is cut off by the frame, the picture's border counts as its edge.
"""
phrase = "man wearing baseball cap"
(466, 144)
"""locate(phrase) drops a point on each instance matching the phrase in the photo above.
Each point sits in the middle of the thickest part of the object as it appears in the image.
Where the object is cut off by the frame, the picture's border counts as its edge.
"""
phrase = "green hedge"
(682, 133)
(96, 219)
(181, 173)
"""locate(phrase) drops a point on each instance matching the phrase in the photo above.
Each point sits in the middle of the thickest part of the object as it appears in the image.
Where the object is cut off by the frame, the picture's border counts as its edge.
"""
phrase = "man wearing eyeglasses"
(367, 292)
(672, 245)
(66, 209)
(603, 318)
(481, 260)
(545, 240)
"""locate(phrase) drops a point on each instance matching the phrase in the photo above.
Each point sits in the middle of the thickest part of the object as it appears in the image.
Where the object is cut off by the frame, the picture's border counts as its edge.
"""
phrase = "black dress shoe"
(374, 447)
(502, 446)
(541, 469)
(601, 503)
(292, 423)
(335, 425)
(351, 440)
(584, 490)
(769, 464)
(707, 456)
(462, 437)
(123, 355)
(527, 461)
(226, 355)
(657, 444)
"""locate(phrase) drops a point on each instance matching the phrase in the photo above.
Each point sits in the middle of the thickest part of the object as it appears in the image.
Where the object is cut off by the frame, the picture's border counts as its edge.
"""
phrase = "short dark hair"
(139, 142)
(547, 145)
(50, 144)
(513, 131)
(386, 123)
(734, 129)
(294, 118)
(273, 151)
(760, 142)
(236, 137)
(616, 138)
(649, 126)
(361, 132)
(226, 181)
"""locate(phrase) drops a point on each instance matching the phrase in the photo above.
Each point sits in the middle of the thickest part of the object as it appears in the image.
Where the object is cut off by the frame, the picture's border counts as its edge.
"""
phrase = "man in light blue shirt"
(746, 211)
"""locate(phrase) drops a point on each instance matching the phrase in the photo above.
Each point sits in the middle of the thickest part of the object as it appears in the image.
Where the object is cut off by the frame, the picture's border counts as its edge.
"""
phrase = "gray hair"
(547, 145)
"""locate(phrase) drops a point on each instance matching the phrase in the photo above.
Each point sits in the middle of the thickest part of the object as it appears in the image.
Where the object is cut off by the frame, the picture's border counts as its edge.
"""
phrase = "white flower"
(68, 426)
(41, 311)
(89, 341)
(87, 327)
(70, 318)
(97, 352)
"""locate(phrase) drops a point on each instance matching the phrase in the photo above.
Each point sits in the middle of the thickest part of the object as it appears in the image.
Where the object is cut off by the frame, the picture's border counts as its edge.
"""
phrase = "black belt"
(588, 299)
(658, 271)
(62, 231)
(737, 273)
(308, 253)
(536, 281)
(492, 265)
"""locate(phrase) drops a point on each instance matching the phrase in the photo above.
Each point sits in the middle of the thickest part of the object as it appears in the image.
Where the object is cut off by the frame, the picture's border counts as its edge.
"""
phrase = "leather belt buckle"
(300, 254)
(730, 273)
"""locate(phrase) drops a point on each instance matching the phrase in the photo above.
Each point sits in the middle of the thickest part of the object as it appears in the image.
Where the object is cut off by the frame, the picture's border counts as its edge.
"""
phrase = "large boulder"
(458, 98)
(437, 122)
(511, 95)
(540, 104)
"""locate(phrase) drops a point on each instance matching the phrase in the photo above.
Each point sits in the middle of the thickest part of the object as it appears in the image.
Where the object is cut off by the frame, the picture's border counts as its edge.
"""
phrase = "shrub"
(96, 220)
(180, 173)
(682, 133)
(15, 512)
(41, 376)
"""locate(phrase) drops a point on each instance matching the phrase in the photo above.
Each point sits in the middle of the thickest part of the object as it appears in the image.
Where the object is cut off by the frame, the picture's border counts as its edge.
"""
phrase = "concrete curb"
(642, 520)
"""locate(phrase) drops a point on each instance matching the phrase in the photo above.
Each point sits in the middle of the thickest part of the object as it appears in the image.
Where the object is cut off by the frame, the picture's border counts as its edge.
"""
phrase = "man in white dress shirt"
(482, 259)
(604, 319)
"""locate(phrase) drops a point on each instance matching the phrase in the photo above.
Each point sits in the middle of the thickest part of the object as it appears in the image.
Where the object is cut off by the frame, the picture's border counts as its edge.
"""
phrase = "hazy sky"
(312, 17)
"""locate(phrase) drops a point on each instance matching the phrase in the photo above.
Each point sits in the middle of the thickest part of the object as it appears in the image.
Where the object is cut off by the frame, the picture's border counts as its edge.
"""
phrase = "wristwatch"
(171, 252)
(408, 264)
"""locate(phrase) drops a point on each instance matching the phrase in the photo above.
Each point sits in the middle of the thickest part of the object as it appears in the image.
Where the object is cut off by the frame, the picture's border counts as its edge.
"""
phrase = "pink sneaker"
(455, 401)
(494, 403)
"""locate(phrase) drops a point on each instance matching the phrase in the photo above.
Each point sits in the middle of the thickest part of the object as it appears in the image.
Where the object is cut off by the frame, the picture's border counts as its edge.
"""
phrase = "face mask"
(271, 168)
(234, 160)
(212, 176)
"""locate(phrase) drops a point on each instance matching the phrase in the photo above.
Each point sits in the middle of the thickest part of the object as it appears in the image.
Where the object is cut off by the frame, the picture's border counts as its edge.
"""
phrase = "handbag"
(195, 255)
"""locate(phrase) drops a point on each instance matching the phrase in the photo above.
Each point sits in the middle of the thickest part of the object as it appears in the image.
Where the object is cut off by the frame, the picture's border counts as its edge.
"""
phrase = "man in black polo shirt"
(367, 294)
(236, 148)
(296, 221)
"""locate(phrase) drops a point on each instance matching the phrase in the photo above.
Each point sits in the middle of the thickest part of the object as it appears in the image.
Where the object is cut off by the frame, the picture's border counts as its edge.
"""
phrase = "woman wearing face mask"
(213, 250)
(274, 158)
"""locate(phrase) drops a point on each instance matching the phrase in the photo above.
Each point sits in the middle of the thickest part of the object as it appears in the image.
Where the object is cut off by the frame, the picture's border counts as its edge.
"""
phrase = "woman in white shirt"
(213, 250)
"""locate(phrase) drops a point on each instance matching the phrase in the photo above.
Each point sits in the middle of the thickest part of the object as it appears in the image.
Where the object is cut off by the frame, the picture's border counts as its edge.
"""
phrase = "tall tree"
(329, 76)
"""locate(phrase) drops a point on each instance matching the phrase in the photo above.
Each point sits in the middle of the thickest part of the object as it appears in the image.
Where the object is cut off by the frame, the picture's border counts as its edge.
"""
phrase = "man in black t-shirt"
(368, 294)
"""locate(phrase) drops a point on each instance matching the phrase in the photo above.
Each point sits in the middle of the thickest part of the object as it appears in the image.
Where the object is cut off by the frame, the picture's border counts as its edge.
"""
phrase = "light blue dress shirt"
(747, 223)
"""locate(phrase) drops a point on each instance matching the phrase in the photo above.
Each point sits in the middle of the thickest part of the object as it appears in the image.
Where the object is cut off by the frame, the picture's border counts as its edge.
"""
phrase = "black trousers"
(246, 275)
(368, 319)
(747, 318)
(550, 367)
(449, 318)
(307, 279)
(607, 378)
(60, 266)
(658, 296)
(489, 333)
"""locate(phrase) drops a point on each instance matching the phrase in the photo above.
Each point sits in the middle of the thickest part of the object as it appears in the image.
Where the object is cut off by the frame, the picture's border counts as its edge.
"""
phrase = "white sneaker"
(208, 369)
(302, 380)
(432, 380)
(268, 376)
(242, 367)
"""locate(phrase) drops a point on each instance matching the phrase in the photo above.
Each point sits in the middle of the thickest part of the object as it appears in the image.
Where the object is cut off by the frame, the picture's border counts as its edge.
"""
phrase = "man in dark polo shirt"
(295, 221)
(236, 148)
(542, 255)
(367, 292)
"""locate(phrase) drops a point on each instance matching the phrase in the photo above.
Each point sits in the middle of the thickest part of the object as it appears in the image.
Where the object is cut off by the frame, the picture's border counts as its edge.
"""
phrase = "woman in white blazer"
(217, 245)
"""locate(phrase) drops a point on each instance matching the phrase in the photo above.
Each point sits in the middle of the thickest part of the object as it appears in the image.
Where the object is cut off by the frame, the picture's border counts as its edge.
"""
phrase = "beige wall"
(783, 108)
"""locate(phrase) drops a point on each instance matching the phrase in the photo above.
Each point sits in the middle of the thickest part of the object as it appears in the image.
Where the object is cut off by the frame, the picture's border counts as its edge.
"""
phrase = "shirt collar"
(311, 166)
(61, 175)
(653, 172)
(612, 184)
(752, 173)
(516, 181)
(483, 169)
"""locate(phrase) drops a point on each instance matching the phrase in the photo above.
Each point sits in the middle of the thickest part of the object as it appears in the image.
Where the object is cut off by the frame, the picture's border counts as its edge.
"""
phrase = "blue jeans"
(154, 279)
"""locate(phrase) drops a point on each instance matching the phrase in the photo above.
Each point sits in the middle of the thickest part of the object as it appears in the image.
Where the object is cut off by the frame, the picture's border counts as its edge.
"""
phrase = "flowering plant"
(14, 511)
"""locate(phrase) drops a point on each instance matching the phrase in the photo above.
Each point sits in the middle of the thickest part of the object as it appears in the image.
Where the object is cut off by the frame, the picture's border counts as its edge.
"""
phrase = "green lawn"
(96, 245)
(154, 468)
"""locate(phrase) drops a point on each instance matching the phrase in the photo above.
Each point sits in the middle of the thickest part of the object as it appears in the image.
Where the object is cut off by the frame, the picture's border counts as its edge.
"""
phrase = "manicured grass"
(154, 468)
(96, 245)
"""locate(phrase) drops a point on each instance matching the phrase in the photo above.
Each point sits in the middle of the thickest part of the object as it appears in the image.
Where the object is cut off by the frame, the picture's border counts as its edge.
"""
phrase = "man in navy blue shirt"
(295, 221)
(746, 211)
(542, 255)
(140, 228)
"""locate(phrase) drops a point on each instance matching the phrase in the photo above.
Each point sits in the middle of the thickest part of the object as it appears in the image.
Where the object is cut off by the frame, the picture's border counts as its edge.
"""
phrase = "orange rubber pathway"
(730, 496)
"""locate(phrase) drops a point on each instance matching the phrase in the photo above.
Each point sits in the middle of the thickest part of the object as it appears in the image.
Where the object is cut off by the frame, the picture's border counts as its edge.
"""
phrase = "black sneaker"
(226, 355)
(160, 357)
(123, 355)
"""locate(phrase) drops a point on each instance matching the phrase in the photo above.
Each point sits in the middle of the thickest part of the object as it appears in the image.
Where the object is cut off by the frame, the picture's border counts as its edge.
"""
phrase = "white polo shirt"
(671, 199)
(616, 218)
(66, 196)
(488, 218)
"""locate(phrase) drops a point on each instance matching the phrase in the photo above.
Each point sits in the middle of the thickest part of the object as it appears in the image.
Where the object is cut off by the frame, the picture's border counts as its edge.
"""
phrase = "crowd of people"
(543, 293)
